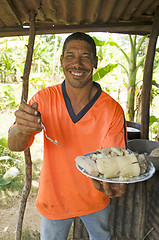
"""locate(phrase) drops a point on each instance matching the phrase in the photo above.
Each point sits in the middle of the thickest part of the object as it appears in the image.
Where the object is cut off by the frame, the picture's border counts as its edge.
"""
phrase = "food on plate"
(155, 152)
(88, 164)
(113, 162)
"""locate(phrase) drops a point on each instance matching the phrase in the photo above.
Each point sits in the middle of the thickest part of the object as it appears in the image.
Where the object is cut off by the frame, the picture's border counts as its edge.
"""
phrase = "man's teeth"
(77, 74)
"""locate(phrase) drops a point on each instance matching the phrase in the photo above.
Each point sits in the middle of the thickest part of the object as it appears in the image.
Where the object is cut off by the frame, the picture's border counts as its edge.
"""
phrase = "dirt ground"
(8, 216)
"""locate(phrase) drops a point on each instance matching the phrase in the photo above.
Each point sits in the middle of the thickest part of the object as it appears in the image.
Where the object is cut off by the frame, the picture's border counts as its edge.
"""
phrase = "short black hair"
(83, 37)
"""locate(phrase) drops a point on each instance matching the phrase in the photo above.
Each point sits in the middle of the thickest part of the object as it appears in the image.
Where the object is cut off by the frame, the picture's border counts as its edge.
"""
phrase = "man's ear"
(61, 59)
(96, 62)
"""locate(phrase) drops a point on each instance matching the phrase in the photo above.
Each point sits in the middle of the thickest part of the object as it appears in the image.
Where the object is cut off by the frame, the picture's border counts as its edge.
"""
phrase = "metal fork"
(53, 141)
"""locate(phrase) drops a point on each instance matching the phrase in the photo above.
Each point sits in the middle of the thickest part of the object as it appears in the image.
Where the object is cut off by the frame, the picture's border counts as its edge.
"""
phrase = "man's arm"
(27, 122)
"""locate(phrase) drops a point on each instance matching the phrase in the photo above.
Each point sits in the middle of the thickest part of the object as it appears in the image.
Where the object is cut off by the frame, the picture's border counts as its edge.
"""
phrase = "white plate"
(143, 177)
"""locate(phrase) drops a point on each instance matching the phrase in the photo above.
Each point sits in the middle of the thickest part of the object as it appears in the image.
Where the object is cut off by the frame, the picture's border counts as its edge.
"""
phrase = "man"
(82, 118)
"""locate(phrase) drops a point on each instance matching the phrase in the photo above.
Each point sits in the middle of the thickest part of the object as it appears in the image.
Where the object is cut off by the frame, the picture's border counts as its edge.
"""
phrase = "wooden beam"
(147, 78)
(140, 28)
(28, 162)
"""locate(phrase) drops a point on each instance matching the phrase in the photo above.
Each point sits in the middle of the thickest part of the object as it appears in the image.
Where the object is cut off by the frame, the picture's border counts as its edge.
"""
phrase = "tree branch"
(28, 162)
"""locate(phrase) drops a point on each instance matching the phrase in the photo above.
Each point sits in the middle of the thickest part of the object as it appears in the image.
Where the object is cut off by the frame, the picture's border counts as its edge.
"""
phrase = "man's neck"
(80, 97)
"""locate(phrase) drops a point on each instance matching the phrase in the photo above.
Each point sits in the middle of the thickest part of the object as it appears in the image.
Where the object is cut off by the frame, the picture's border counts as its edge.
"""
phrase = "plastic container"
(133, 130)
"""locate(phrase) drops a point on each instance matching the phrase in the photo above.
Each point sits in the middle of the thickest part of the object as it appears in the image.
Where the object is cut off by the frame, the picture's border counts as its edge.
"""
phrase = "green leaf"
(98, 42)
(155, 83)
(100, 73)
(153, 119)
(7, 88)
(112, 43)
(4, 142)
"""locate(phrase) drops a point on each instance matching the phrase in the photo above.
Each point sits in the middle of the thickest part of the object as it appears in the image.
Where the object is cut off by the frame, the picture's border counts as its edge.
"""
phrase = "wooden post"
(147, 78)
(79, 230)
(28, 162)
(128, 213)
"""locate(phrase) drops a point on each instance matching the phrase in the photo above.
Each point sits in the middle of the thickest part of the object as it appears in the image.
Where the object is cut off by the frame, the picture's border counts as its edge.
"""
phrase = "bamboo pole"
(28, 162)
(147, 78)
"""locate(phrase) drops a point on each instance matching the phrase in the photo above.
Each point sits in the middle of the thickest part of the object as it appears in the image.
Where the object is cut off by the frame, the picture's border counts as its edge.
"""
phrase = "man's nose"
(78, 61)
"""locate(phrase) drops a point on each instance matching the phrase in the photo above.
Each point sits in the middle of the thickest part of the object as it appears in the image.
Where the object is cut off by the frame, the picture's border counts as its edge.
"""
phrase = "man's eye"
(87, 57)
(69, 56)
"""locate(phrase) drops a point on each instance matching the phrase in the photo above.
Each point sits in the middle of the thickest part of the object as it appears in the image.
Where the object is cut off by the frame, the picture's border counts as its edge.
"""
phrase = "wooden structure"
(115, 16)
(65, 16)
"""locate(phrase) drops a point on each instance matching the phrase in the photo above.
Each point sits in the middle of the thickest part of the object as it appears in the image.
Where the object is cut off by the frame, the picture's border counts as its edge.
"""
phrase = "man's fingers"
(27, 129)
(29, 113)
(122, 188)
(103, 187)
(23, 115)
(118, 189)
(112, 190)
(35, 105)
(96, 184)
(28, 118)
(107, 189)
(32, 122)
(24, 107)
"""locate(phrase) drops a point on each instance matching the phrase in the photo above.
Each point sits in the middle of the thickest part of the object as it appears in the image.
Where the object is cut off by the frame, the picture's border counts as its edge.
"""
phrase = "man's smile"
(77, 72)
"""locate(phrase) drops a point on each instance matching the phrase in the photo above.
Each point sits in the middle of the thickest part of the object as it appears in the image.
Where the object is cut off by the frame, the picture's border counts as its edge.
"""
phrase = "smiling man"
(83, 119)
(78, 62)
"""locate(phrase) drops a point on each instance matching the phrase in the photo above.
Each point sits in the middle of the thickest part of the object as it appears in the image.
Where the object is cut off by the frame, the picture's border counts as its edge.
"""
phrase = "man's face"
(78, 63)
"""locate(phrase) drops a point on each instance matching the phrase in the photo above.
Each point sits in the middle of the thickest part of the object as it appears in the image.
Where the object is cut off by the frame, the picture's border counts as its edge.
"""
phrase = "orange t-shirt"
(64, 192)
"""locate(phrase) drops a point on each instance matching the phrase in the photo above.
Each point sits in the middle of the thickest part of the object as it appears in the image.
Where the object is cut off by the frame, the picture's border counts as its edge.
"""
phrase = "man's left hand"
(111, 190)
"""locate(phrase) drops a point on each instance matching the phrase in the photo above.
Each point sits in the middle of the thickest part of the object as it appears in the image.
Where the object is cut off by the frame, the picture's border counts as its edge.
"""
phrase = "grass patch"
(14, 188)
(26, 235)
(30, 235)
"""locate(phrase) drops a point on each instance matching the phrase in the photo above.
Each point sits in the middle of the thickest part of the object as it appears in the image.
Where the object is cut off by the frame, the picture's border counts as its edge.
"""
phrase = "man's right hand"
(28, 118)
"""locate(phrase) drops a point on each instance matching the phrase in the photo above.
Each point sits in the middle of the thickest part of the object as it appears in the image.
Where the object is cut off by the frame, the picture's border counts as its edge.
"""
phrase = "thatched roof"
(60, 16)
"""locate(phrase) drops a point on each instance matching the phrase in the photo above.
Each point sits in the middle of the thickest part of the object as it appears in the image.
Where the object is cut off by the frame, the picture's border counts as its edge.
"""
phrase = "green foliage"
(8, 158)
(154, 83)
(98, 42)
(114, 44)
(7, 99)
(4, 142)
(153, 126)
(152, 120)
(101, 72)
(38, 83)
(134, 57)
(154, 90)
(7, 64)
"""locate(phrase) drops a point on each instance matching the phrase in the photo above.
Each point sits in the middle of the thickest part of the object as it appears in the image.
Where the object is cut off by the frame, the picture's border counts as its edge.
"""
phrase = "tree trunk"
(130, 102)
(131, 80)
